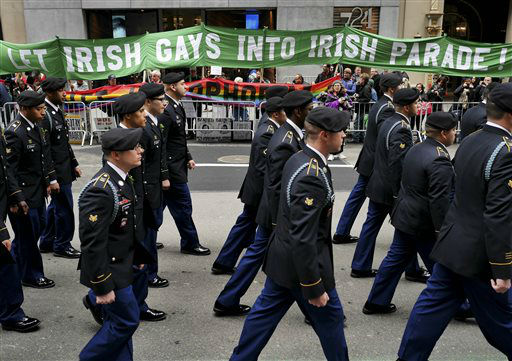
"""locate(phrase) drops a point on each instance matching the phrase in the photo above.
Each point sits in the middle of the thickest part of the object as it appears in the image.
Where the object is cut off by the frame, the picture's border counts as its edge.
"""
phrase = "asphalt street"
(191, 331)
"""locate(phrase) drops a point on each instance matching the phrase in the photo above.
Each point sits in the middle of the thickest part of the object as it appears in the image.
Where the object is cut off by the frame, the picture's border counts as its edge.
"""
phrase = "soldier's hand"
(7, 244)
(78, 172)
(48, 191)
(55, 187)
(141, 266)
(166, 184)
(320, 301)
(106, 299)
(14, 208)
(191, 164)
(24, 207)
(501, 286)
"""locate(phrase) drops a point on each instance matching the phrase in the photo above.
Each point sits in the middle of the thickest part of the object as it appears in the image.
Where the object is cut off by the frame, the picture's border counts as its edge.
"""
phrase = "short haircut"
(493, 111)
(431, 131)
(312, 131)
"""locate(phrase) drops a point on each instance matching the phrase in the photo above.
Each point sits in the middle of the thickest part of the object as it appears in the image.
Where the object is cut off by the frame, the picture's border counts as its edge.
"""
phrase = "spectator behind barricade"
(357, 74)
(324, 75)
(156, 77)
(437, 93)
(424, 108)
(299, 80)
(111, 80)
(375, 97)
(257, 78)
(375, 76)
(31, 84)
(193, 76)
(336, 97)
(21, 86)
(348, 82)
(239, 111)
(463, 95)
(363, 97)
(479, 90)
(78, 85)
(476, 116)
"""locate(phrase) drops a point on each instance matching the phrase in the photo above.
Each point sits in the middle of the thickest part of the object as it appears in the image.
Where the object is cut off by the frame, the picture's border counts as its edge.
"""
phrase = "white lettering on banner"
(313, 46)
(254, 49)
(83, 57)
(196, 43)
(339, 45)
(288, 41)
(448, 57)
(398, 49)
(9, 53)
(431, 53)
(99, 58)
(479, 58)
(371, 49)
(118, 62)
(466, 52)
(181, 49)
(351, 42)
(39, 53)
(324, 44)
(23, 54)
(241, 48)
(272, 40)
(414, 55)
(211, 39)
(129, 55)
(163, 55)
(69, 59)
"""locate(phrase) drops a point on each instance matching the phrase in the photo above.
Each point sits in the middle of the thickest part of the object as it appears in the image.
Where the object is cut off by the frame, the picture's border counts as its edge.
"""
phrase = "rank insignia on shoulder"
(270, 129)
(442, 152)
(510, 183)
(308, 201)
(313, 165)
(93, 217)
(402, 145)
(288, 136)
(508, 143)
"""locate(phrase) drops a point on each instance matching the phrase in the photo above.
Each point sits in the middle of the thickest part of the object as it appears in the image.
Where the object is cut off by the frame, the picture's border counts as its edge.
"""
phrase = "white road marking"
(234, 165)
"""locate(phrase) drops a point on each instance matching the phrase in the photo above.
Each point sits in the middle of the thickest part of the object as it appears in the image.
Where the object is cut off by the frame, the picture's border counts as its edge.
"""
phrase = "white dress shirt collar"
(56, 108)
(28, 121)
(498, 126)
(317, 152)
(118, 170)
(297, 129)
(153, 118)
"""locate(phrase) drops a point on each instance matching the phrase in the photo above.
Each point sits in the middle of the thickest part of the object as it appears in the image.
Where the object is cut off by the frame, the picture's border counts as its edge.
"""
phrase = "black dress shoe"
(421, 276)
(68, 253)
(218, 269)
(372, 308)
(158, 282)
(339, 239)
(463, 314)
(26, 324)
(238, 310)
(159, 245)
(197, 251)
(363, 274)
(95, 310)
(43, 282)
(152, 315)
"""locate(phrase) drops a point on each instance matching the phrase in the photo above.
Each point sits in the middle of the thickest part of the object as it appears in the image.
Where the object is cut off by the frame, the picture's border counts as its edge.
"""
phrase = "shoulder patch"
(102, 180)
(288, 137)
(270, 129)
(313, 167)
(442, 153)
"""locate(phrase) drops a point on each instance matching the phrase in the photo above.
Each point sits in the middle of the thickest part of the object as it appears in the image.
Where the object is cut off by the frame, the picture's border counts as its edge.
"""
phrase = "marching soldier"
(156, 175)
(60, 220)
(179, 161)
(475, 117)
(30, 175)
(109, 245)
(242, 233)
(12, 316)
(379, 112)
(473, 253)
(424, 198)
(285, 142)
(271, 92)
(299, 263)
(393, 142)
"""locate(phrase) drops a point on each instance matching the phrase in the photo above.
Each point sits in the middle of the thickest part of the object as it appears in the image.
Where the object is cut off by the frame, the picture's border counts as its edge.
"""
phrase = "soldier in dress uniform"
(424, 198)
(393, 142)
(29, 174)
(473, 253)
(299, 262)
(109, 245)
(60, 220)
(156, 176)
(130, 111)
(379, 112)
(12, 317)
(475, 117)
(285, 142)
(242, 233)
(271, 92)
(179, 161)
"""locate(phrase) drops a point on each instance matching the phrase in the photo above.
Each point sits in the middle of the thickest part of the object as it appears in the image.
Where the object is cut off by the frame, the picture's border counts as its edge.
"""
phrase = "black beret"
(501, 95)
(152, 90)
(390, 80)
(29, 98)
(297, 98)
(129, 103)
(121, 139)
(441, 120)
(274, 104)
(172, 78)
(52, 84)
(406, 96)
(329, 119)
(276, 91)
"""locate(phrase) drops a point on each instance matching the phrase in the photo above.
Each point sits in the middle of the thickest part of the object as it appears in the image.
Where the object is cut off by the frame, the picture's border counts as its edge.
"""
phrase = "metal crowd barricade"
(9, 112)
(307, 79)
(456, 108)
(76, 116)
(101, 118)
(220, 121)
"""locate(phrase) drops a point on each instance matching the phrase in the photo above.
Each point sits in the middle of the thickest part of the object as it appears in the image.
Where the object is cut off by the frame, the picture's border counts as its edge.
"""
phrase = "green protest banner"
(238, 48)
